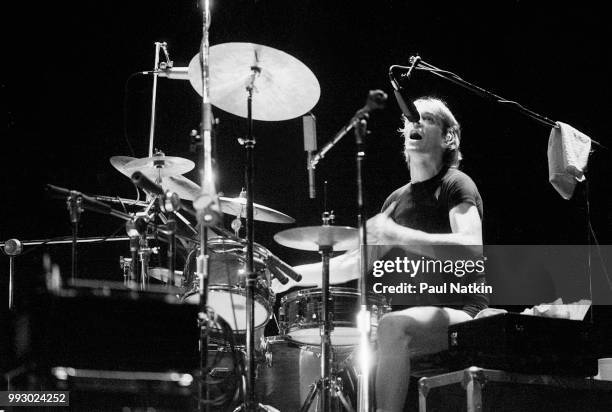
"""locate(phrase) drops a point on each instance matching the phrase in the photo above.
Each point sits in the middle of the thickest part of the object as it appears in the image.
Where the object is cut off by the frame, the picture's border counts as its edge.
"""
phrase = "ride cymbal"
(284, 87)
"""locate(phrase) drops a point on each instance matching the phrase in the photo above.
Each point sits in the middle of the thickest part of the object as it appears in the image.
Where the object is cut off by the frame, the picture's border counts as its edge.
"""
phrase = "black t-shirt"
(425, 206)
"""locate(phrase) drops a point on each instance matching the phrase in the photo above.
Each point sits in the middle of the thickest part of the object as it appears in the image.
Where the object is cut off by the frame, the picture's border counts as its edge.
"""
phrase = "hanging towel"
(568, 153)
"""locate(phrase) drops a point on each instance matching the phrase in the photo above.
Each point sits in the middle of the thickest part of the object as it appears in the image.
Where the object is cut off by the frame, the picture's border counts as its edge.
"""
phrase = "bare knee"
(414, 325)
(395, 329)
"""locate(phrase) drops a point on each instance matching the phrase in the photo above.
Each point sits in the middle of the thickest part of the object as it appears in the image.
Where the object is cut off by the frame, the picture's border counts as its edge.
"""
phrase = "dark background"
(69, 109)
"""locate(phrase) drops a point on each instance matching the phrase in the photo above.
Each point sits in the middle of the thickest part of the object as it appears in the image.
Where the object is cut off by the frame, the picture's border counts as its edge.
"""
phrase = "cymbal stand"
(207, 207)
(250, 403)
(326, 385)
(363, 318)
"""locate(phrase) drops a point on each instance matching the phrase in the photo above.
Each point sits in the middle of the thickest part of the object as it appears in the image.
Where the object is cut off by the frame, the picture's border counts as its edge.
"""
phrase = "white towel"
(568, 153)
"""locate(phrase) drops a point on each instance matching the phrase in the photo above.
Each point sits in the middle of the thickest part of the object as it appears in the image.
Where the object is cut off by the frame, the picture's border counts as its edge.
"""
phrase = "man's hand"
(382, 230)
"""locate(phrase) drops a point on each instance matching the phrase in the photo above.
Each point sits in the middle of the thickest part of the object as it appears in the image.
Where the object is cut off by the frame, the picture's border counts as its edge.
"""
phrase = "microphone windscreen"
(407, 106)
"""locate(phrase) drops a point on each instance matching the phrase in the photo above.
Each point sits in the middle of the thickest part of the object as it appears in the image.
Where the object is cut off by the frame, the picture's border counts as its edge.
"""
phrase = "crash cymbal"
(312, 237)
(183, 187)
(236, 206)
(285, 87)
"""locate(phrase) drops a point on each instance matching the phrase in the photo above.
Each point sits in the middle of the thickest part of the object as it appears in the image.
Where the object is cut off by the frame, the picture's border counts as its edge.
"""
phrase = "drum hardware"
(206, 205)
(376, 100)
(327, 239)
(136, 228)
(286, 375)
(12, 248)
(77, 202)
(286, 90)
(158, 47)
(74, 203)
(126, 264)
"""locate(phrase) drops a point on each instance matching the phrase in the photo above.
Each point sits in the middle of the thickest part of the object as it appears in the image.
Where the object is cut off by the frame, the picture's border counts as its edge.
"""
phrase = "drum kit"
(234, 280)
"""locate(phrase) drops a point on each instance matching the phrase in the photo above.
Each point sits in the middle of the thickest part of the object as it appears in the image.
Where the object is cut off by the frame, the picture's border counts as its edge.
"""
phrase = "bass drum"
(226, 288)
(285, 377)
(301, 312)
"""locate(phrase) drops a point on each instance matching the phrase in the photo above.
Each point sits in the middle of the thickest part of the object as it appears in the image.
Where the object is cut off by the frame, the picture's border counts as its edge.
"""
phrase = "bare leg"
(410, 332)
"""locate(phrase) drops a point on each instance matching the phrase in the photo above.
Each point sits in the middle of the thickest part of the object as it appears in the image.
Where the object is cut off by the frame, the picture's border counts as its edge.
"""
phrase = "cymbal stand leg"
(340, 395)
(315, 387)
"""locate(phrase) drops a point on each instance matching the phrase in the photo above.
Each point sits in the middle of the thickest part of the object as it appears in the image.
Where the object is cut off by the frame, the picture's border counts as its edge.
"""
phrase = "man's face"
(426, 135)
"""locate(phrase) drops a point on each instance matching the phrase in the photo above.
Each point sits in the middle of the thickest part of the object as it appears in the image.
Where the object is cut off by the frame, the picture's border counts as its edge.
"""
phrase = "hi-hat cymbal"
(183, 187)
(236, 206)
(312, 238)
(285, 88)
(152, 167)
(160, 166)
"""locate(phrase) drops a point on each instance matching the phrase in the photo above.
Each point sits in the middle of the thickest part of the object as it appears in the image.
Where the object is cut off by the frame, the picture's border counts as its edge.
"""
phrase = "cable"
(125, 111)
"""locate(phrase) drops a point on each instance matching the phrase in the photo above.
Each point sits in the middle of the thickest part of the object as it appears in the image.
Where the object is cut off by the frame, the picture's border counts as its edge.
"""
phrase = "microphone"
(174, 73)
(404, 102)
(147, 184)
(168, 201)
(89, 202)
(310, 146)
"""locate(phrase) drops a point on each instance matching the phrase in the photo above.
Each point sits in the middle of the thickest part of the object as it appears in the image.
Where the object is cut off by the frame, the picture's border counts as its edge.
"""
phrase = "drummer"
(439, 206)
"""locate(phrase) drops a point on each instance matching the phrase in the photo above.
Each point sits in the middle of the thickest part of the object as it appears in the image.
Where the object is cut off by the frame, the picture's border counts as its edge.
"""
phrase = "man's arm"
(465, 224)
(466, 229)
(342, 269)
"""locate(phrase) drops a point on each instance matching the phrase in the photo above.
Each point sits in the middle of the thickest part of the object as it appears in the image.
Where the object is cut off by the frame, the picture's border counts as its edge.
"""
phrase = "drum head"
(340, 336)
(222, 300)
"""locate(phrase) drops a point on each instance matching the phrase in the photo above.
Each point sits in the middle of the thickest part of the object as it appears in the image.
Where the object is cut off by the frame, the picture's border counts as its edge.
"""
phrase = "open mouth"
(414, 135)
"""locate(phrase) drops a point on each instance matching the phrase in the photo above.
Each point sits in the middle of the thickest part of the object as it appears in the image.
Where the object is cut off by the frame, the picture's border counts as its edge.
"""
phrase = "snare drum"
(301, 313)
(226, 285)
